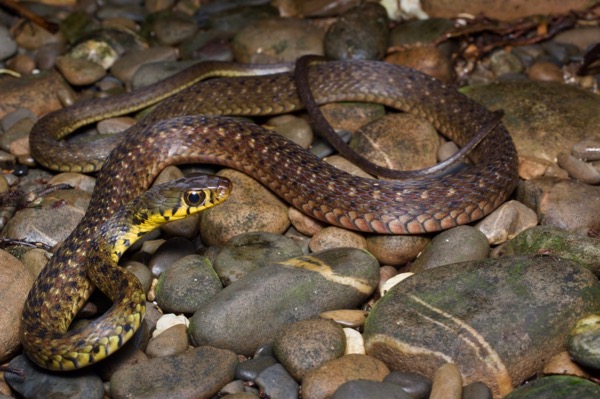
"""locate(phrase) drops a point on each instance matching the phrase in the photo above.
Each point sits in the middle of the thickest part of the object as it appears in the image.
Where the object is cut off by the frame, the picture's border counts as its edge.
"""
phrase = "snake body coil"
(167, 136)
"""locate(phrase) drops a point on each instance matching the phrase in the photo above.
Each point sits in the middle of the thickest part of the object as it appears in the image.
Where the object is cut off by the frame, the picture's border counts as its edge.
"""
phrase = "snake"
(193, 124)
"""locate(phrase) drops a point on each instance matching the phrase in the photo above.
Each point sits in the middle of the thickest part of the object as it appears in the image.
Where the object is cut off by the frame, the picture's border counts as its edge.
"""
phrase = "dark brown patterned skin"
(416, 206)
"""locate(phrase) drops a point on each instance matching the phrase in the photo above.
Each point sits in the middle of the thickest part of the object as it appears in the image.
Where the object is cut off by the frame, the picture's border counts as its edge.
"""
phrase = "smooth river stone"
(249, 312)
(557, 387)
(497, 320)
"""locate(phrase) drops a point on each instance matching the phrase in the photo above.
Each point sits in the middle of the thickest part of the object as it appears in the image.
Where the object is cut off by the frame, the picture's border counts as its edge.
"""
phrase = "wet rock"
(336, 237)
(396, 250)
(292, 127)
(476, 390)
(584, 342)
(307, 344)
(126, 66)
(459, 244)
(187, 285)
(563, 364)
(250, 207)
(173, 28)
(578, 169)
(543, 118)
(8, 46)
(510, 219)
(366, 389)
(141, 272)
(321, 383)
(557, 387)
(233, 17)
(355, 344)
(153, 72)
(282, 293)
(304, 224)
(79, 71)
(553, 241)
(276, 40)
(587, 149)
(168, 253)
(545, 71)
(415, 385)
(53, 221)
(398, 141)
(250, 251)
(516, 310)
(275, 382)
(447, 383)
(558, 203)
(38, 383)
(361, 33)
(505, 63)
(40, 93)
(170, 342)
(197, 373)
(15, 283)
(427, 59)
(582, 37)
(250, 369)
(346, 317)
(75, 180)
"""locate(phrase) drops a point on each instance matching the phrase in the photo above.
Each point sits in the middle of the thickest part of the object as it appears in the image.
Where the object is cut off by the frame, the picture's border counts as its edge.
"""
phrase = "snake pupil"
(194, 197)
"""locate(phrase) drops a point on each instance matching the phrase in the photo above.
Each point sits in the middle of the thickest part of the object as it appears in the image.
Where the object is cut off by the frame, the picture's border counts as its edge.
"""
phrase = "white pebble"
(385, 287)
(167, 321)
(354, 342)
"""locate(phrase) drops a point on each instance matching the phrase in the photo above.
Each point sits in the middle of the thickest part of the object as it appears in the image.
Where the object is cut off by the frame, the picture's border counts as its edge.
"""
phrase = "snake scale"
(170, 134)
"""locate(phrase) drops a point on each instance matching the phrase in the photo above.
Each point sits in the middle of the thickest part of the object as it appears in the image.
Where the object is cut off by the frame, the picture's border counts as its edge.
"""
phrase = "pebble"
(40, 224)
(8, 46)
(545, 71)
(15, 283)
(275, 382)
(292, 127)
(415, 385)
(508, 220)
(187, 285)
(38, 383)
(562, 363)
(168, 253)
(476, 390)
(173, 28)
(276, 40)
(40, 93)
(321, 383)
(426, 59)
(366, 389)
(127, 65)
(557, 387)
(459, 244)
(400, 141)
(22, 64)
(486, 300)
(251, 368)
(587, 149)
(544, 118)
(447, 383)
(75, 180)
(355, 344)
(346, 317)
(396, 250)
(308, 344)
(361, 33)
(554, 241)
(282, 293)
(578, 169)
(304, 224)
(250, 251)
(584, 342)
(336, 237)
(115, 125)
(141, 272)
(557, 202)
(250, 207)
(155, 379)
(79, 71)
(167, 321)
(170, 342)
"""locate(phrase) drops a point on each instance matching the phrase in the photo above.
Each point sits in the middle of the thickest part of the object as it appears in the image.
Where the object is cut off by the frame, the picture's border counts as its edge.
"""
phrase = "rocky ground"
(237, 309)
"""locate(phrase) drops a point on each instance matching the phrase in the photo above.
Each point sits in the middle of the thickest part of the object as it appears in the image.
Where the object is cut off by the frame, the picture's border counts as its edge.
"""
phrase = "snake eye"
(194, 198)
